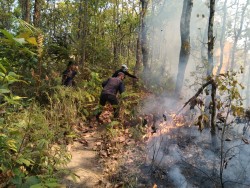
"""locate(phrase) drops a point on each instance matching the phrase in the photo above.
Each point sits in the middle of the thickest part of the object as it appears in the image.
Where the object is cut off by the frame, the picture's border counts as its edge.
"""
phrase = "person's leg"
(103, 99)
(114, 102)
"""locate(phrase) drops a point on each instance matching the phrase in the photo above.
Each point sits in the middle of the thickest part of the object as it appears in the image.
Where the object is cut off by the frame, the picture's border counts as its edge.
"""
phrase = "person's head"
(72, 65)
(124, 67)
(121, 75)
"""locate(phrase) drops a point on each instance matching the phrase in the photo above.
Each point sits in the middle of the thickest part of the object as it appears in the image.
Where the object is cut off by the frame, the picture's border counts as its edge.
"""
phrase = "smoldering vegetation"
(179, 155)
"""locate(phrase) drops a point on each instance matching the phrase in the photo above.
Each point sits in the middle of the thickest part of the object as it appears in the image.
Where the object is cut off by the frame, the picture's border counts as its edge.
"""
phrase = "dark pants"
(112, 100)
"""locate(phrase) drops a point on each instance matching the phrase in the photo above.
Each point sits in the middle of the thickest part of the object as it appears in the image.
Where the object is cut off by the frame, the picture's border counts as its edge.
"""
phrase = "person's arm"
(130, 75)
(116, 73)
(64, 76)
(74, 74)
(105, 83)
(121, 88)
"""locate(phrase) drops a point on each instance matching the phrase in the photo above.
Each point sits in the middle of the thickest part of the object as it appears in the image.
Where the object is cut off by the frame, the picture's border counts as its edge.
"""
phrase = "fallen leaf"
(245, 140)
(103, 153)
(122, 139)
(98, 143)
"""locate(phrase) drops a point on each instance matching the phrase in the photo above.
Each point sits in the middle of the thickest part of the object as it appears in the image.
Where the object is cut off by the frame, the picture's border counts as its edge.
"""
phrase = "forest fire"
(169, 122)
(177, 148)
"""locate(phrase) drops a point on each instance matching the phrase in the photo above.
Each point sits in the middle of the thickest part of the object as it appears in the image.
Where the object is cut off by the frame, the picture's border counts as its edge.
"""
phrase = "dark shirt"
(68, 76)
(112, 86)
(125, 72)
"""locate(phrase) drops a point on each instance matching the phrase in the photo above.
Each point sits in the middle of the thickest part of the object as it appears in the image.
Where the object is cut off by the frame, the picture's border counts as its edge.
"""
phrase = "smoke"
(187, 155)
(163, 24)
(190, 160)
(177, 177)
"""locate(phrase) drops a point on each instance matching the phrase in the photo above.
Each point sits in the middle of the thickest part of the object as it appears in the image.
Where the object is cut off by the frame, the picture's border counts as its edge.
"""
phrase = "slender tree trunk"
(144, 41)
(80, 20)
(243, 92)
(37, 13)
(138, 50)
(248, 89)
(82, 30)
(204, 46)
(185, 44)
(25, 7)
(54, 19)
(237, 33)
(222, 38)
(115, 39)
(213, 112)
(210, 34)
(84, 33)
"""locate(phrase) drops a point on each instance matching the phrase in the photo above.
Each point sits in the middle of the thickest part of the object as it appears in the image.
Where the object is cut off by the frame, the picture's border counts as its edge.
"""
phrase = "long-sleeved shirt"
(68, 76)
(125, 72)
(112, 86)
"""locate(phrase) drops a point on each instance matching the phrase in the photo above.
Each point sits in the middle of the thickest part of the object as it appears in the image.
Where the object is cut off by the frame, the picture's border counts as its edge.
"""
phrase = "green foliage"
(6, 79)
(228, 87)
(33, 140)
(21, 47)
(128, 103)
(31, 145)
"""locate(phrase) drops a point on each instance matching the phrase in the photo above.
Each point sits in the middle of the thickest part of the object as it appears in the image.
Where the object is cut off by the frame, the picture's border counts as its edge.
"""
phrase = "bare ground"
(84, 163)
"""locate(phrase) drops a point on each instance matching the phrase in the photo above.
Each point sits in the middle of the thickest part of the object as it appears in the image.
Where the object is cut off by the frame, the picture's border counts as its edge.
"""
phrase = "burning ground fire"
(186, 157)
(170, 121)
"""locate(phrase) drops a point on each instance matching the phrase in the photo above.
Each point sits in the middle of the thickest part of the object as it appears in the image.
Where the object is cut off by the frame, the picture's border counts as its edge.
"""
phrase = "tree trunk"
(222, 37)
(210, 38)
(37, 13)
(248, 89)
(25, 7)
(213, 112)
(144, 41)
(82, 30)
(138, 50)
(237, 33)
(185, 44)
(115, 35)
(84, 33)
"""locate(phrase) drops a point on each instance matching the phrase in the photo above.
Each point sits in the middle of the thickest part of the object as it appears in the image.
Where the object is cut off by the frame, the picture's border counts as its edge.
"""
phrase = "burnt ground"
(176, 154)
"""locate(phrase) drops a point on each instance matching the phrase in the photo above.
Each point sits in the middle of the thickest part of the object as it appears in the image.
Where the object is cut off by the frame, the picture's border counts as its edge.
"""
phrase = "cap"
(125, 67)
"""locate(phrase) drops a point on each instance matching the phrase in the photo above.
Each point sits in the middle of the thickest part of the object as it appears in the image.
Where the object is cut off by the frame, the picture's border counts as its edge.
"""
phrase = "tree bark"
(185, 44)
(248, 89)
(82, 30)
(25, 7)
(210, 38)
(37, 13)
(144, 41)
(222, 37)
(115, 34)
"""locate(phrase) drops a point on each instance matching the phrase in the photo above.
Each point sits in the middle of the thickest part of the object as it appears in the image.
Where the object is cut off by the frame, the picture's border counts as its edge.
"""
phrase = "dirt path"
(84, 163)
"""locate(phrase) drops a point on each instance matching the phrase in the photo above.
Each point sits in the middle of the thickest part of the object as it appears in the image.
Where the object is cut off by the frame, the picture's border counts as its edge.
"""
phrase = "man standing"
(109, 92)
(69, 74)
(124, 69)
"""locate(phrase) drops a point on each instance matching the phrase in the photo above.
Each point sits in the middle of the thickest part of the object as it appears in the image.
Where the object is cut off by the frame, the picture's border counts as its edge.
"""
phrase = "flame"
(174, 121)
(226, 57)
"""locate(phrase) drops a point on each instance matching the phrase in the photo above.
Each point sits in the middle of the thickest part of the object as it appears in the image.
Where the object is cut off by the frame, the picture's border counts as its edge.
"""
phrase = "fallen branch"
(196, 94)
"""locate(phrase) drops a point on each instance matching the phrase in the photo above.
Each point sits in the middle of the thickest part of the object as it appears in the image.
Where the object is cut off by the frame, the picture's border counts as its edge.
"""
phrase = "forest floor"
(103, 161)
